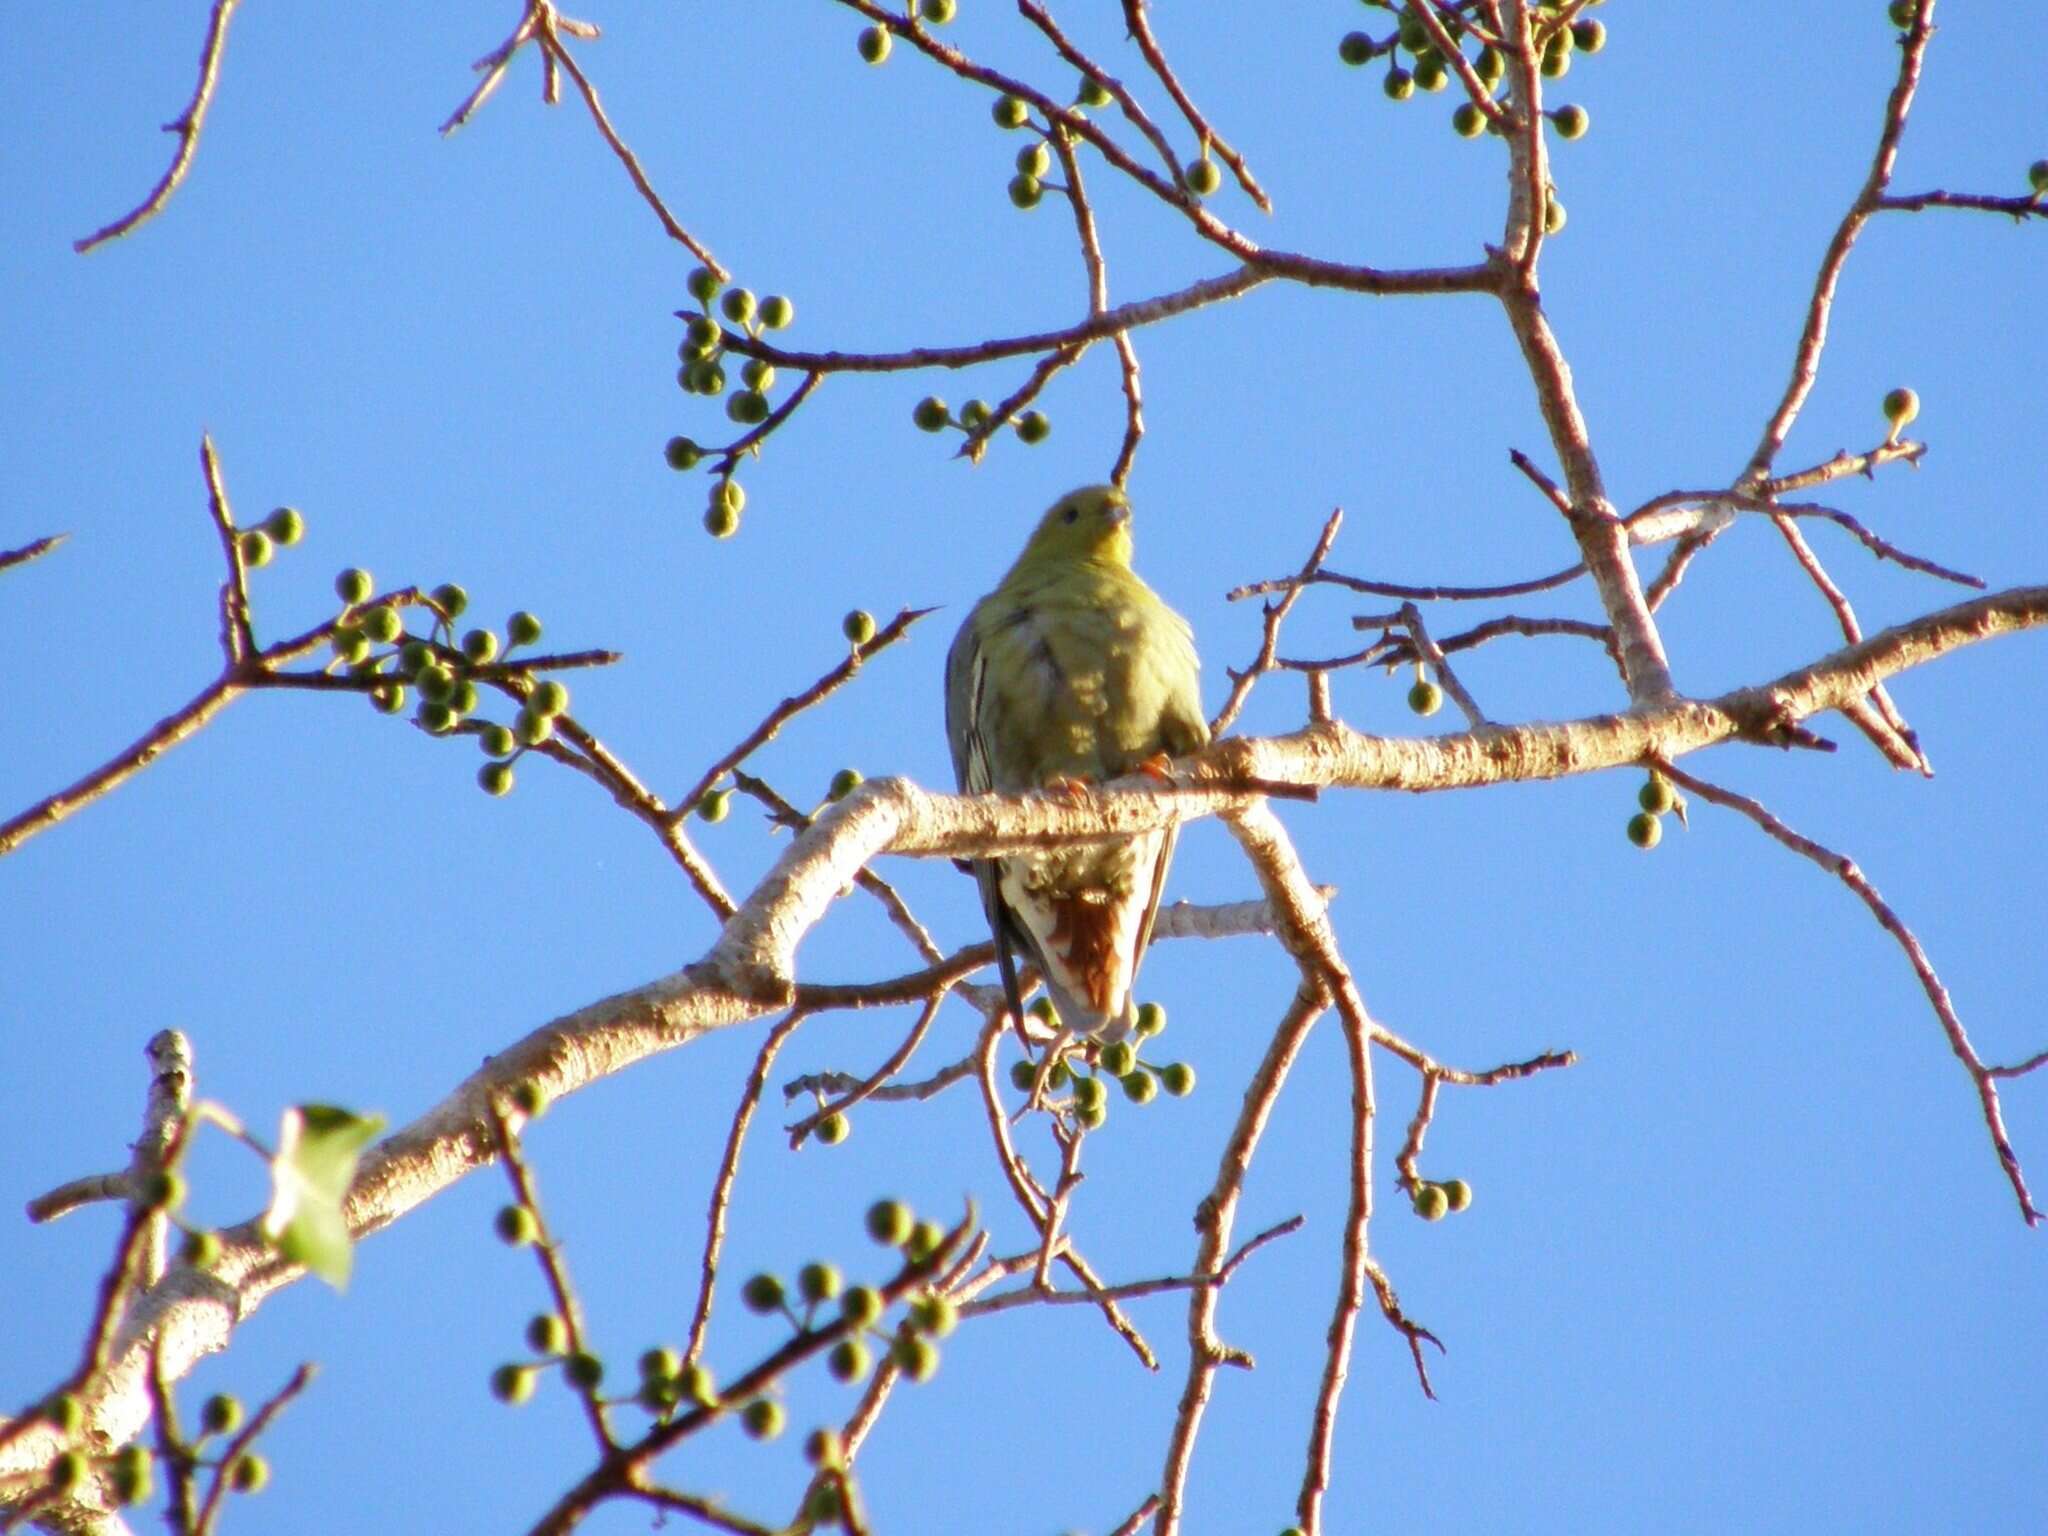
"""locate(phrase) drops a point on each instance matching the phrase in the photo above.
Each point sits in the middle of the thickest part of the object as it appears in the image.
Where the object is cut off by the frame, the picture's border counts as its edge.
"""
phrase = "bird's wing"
(966, 691)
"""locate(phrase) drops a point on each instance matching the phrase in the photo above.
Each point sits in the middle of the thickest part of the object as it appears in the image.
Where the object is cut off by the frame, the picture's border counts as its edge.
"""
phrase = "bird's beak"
(1118, 512)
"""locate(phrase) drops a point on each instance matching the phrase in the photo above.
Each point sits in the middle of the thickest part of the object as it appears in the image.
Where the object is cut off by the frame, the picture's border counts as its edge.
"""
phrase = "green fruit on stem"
(931, 414)
(1010, 112)
(1026, 191)
(874, 44)
(1431, 1203)
(1203, 179)
(1645, 830)
(1425, 698)
(1572, 122)
(1354, 48)
(776, 312)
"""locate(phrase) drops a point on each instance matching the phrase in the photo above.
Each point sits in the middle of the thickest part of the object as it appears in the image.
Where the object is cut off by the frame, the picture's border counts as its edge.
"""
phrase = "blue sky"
(1750, 1266)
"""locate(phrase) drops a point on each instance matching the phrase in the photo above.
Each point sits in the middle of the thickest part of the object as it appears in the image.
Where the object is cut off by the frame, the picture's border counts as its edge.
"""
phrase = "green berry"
(1431, 73)
(681, 453)
(707, 378)
(1041, 1009)
(749, 408)
(1901, 12)
(818, 1281)
(758, 375)
(1414, 35)
(530, 1099)
(658, 1394)
(848, 1360)
(1025, 191)
(516, 1226)
(1139, 1087)
(480, 645)
(776, 313)
(414, 656)
(924, 1241)
(68, 1470)
(763, 1293)
(201, 1250)
(1468, 122)
(1118, 1058)
(353, 585)
(1431, 1203)
(163, 1190)
(1034, 159)
(1010, 112)
(1900, 407)
(497, 741)
(1023, 1075)
(1458, 1193)
(249, 1473)
(436, 716)
(1089, 1092)
(1645, 830)
(1058, 1076)
(1092, 1117)
(2037, 177)
(436, 682)
(1557, 61)
(388, 700)
(935, 1314)
(451, 599)
(697, 1384)
(256, 548)
(974, 415)
(834, 1129)
(861, 1306)
(1033, 428)
(661, 1363)
(824, 1448)
(1490, 66)
(1177, 1078)
(1203, 179)
(351, 645)
(721, 521)
(1572, 122)
(1656, 796)
(874, 44)
(532, 728)
(584, 1370)
(931, 414)
(66, 1414)
(1425, 698)
(462, 698)
(548, 1334)
(844, 783)
(762, 1419)
(495, 778)
(549, 698)
(858, 626)
(285, 525)
(715, 804)
(1093, 93)
(938, 12)
(220, 1414)
(730, 494)
(522, 629)
(1399, 84)
(1355, 48)
(1589, 36)
(703, 285)
(1553, 215)
(1151, 1019)
(737, 305)
(915, 1355)
(889, 1223)
(382, 624)
(133, 1474)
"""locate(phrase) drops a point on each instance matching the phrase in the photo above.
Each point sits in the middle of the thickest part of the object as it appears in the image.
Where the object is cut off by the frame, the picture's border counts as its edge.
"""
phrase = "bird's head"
(1093, 523)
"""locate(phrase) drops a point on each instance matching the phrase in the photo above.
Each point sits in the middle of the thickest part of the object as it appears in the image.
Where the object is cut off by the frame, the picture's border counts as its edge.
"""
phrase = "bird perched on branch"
(1072, 669)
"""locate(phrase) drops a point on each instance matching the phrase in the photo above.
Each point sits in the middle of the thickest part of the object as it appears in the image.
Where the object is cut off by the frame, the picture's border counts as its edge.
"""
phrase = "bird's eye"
(1073, 514)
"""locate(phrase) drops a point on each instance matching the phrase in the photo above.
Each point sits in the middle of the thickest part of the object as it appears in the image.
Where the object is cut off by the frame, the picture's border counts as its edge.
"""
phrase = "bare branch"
(186, 126)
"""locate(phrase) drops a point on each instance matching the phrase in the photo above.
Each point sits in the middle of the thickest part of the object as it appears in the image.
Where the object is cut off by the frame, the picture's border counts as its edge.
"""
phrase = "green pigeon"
(1071, 670)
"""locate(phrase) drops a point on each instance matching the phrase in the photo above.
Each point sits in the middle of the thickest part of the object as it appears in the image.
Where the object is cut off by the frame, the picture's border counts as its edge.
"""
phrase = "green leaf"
(317, 1148)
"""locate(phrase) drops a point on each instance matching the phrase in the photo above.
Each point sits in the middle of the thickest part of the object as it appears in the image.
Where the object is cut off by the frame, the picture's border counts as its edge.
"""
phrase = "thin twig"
(1275, 615)
(1845, 869)
(35, 551)
(186, 126)
(1141, 33)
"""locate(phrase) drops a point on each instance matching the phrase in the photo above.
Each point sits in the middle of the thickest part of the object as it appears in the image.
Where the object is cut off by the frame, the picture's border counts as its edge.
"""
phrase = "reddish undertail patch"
(1084, 935)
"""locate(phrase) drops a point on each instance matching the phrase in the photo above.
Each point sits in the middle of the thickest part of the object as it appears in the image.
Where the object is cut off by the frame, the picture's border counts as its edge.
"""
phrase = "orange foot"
(1066, 784)
(1157, 766)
